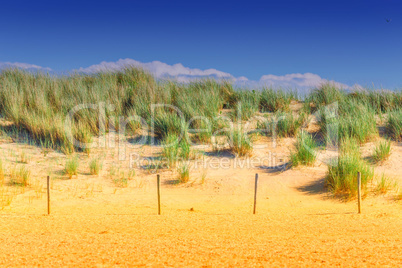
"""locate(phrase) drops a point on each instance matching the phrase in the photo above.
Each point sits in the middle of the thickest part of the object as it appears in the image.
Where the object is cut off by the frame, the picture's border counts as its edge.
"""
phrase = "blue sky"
(346, 41)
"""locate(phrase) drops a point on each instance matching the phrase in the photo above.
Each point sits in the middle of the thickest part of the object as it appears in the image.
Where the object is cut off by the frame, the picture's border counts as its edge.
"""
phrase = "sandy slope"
(94, 223)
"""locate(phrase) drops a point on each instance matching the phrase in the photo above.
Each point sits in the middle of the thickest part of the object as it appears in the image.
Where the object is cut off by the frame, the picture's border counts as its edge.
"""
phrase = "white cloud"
(25, 66)
(297, 80)
(180, 73)
(183, 74)
(158, 69)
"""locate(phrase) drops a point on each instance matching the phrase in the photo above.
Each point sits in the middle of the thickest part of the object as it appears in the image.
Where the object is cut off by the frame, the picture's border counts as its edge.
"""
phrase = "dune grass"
(305, 150)
(350, 119)
(38, 104)
(20, 176)
(384, 185)
(240, 143)
(382, 101)
(286, 124)
(323, 96)
(171, 149)
(95, 166)
(272, 100)
(394, 125)
(184, 172)
(2, 172)
(71, 167)
(342, 173)
(246, 105)
(382, 151)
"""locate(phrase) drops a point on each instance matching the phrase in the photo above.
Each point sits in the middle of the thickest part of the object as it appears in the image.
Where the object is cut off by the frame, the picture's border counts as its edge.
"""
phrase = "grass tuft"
(342, 174)
(305, 150)
(95, 166)
(170, 151)
(2, 172)
(394, 125)
(240, 142)
(382, 151)
(275, 100)
(20, 176)
(184, 172)
(384, 185)
(71, 167)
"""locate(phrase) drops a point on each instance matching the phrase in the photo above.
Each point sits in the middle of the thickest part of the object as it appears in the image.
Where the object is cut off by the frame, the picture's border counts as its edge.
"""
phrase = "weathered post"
(48, 195)
(158, 181)
(359, 191)
(255, 192)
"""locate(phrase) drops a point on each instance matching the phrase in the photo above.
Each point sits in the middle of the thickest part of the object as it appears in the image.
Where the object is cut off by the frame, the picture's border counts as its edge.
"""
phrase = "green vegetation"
(2, 172)
(350, 119)
(382, 101)
(286, 124)
(170, 151)
(175, 150)
(240, 142)
(38, 104)
(384, 185)
(275, 100)
(382, 151)
(184, 172)
(71, 167)
(342, 173)
(246, 106)
(122, 179)
(394, 125)
(304, 154)
(95, 166)
(24, 158)
(20, 176)
(325, 95)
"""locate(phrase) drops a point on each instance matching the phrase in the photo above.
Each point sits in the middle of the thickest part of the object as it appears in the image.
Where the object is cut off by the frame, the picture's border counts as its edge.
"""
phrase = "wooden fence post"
(48, 195)
(158, 181)
(359, 191)
(255, 192)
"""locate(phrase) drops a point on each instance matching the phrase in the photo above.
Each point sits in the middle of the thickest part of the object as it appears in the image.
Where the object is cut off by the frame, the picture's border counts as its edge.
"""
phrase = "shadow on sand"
(221, 154)
(276, 169)
(316, 187)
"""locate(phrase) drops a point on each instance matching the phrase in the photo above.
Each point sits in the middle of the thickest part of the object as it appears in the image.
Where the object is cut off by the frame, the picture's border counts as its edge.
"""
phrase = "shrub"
(240, 143)
(95, 166)
(304, 154)
(382, 151)
(394, 125)
(71, 167)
